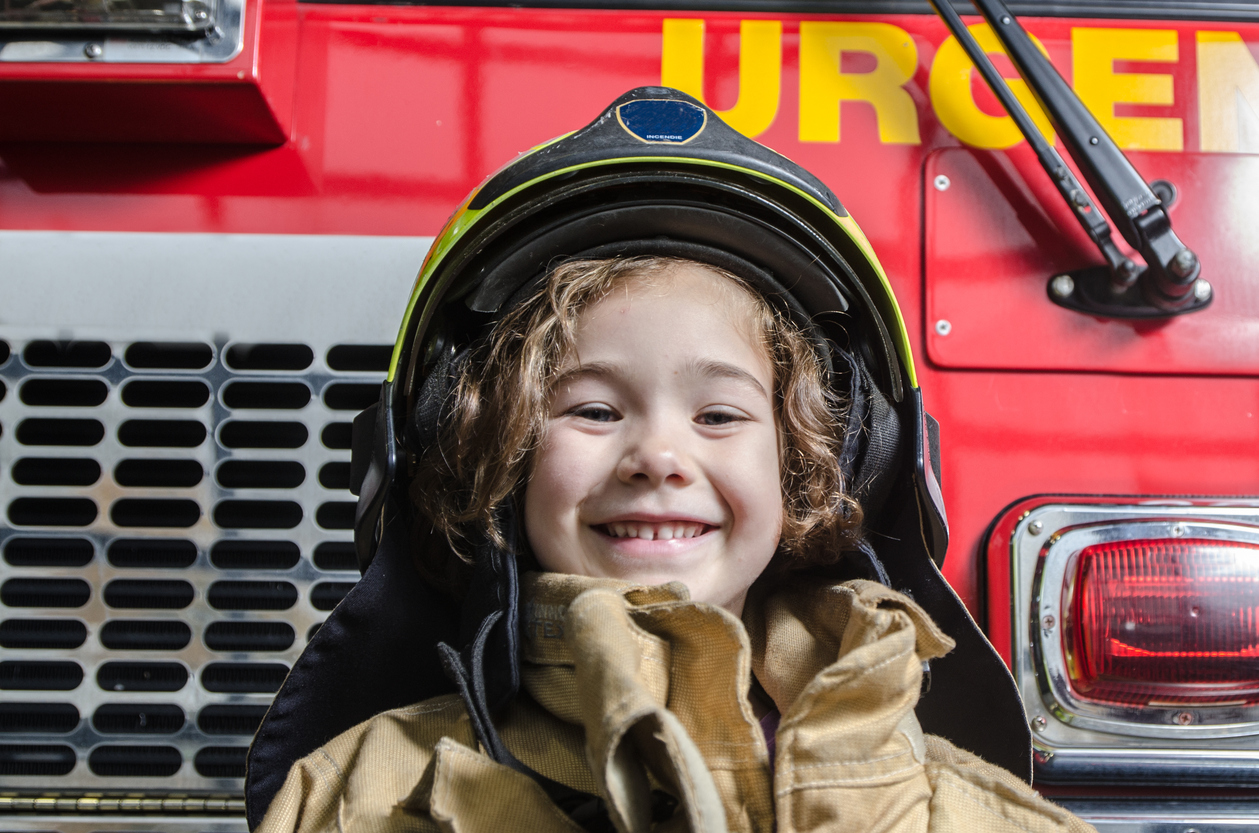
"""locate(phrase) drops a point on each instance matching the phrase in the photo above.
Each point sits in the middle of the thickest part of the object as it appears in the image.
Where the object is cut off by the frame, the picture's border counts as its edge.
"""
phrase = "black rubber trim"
(1113, 10)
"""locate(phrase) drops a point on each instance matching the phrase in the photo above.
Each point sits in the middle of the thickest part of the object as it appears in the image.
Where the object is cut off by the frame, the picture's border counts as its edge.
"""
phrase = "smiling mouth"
(654, 531)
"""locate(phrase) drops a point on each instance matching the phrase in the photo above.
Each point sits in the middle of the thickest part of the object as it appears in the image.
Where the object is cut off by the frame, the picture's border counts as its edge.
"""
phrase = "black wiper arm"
(1169, 285)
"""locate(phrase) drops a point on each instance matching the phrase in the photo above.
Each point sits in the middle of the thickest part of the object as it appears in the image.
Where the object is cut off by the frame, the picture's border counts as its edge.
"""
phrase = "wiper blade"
(1170, 283)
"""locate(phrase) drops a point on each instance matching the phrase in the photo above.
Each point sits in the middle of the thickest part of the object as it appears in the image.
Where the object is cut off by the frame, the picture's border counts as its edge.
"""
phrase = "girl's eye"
(717, 418)
(595, 413)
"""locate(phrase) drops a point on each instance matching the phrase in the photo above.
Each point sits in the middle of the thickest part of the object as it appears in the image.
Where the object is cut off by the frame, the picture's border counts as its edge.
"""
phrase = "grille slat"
(145, 635)
(50, 718)
(146, 393)
(169, 355)
(350, 396)
(152, 553)
(138, 719)
(60, 634)
(48, 552)
(230, 720)
(249, 434)
(336, 514)
(269, 356)
(52, 511)
(49, 431)
(40, 676)
(258, 514)
(252, 595)
(149, 594)
(222, 761)
(56, 471)
(242, 677)
(63, 393)
(249, 636)
(45, 592)
(161, 433)
(255, 555)
(142, 676)
(31, 759)
(135, 761)
(360, 357)
(284, 396)
(335, 476)
(155, 512)
(173, 474)
(261, 474)
(86, 354)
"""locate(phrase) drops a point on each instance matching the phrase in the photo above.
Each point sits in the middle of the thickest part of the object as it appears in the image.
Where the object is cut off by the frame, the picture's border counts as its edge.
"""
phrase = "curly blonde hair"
(497, 415)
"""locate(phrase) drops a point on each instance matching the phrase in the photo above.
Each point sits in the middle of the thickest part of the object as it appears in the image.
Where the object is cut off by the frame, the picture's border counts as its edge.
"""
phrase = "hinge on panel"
(166, 804)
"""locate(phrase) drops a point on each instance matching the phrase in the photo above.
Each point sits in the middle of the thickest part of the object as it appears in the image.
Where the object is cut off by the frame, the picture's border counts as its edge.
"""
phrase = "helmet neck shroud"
(656, 174)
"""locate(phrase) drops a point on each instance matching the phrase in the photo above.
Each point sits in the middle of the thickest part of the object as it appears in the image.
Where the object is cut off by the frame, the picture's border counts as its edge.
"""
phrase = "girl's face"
(661, 457)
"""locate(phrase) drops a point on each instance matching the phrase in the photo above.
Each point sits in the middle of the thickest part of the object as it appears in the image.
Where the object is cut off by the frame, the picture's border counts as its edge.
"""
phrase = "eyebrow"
(596, 369)
(708, 368)
(714, 369)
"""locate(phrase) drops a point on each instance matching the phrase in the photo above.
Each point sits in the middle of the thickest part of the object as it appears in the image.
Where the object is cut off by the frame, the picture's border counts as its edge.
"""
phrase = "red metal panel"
(998, 231)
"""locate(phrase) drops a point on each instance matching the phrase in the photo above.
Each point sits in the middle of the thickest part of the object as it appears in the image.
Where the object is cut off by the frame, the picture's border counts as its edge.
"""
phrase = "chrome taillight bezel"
(1052, 589)
(1075, 738)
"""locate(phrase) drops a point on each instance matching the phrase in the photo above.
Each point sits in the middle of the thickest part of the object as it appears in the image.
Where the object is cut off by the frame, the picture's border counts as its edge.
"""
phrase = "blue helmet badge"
(660, 121)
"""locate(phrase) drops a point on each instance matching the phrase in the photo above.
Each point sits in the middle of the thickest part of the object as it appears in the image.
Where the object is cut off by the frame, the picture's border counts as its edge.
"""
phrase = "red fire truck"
(211, 212)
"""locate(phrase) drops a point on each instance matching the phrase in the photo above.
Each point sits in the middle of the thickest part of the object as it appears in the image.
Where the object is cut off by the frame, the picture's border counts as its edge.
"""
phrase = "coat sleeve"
(968, 793)
(309, 800)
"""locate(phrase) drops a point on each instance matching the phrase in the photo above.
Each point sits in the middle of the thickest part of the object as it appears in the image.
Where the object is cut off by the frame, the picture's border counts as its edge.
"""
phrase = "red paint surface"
(398, 112)
(247, 100)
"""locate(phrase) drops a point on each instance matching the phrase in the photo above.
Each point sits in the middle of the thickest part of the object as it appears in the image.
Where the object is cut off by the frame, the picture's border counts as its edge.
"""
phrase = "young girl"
(651, 432)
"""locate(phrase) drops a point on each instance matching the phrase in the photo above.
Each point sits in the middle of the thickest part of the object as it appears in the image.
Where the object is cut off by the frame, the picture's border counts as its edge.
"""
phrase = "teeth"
(654, 532)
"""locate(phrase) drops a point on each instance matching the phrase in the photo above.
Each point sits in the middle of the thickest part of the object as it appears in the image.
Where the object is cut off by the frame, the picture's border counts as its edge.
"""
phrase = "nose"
(656, 459)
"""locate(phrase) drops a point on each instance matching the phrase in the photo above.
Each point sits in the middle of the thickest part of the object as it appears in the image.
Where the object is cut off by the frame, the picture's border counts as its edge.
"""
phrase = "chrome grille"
(177, 525)
(174, 515)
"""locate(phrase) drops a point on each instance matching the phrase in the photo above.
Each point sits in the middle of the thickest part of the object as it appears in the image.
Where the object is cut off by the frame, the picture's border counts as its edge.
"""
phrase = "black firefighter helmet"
(657, 173)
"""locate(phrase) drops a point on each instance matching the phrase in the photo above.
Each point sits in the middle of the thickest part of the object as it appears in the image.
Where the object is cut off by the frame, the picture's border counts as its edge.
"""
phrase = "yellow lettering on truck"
(1093, 56)
(824, 86)
(1228, 94)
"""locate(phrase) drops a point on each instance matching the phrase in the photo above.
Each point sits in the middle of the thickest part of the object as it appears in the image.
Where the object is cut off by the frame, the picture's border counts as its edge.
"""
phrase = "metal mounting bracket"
(1092, 292)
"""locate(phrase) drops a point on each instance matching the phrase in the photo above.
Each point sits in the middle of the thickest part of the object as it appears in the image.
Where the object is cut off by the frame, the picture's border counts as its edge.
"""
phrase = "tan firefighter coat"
(629, 688)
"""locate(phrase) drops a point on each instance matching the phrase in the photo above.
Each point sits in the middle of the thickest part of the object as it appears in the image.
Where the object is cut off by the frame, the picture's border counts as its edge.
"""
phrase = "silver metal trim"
(123, 824)
(221, 42)
(1142, 815)
(1077, 739)
(1050, 605)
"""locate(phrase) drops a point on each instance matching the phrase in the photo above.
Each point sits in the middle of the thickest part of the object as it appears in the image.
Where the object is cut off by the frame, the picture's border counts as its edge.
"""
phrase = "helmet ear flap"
(433, 400)
(872, 436)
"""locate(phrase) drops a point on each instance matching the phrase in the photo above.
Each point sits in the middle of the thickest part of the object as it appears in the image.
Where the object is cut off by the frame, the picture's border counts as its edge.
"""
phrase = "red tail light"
(1165, 622)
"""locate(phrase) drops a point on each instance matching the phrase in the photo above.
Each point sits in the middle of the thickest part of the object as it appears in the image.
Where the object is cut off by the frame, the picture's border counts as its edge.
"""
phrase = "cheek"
(552, 498)
(755, 489)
